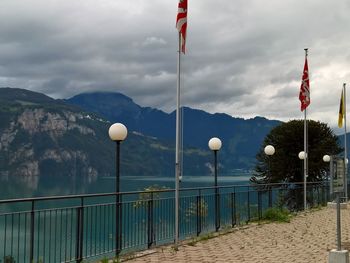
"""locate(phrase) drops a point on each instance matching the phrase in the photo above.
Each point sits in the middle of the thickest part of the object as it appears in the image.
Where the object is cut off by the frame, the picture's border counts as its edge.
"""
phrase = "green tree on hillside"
(288, 140)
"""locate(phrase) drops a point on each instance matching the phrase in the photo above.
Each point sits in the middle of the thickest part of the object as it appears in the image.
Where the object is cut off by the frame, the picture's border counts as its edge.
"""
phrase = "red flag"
(181, 23)
(304, 94)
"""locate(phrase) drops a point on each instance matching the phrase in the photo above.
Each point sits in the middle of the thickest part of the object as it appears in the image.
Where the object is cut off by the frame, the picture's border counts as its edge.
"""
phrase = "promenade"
(306, 239)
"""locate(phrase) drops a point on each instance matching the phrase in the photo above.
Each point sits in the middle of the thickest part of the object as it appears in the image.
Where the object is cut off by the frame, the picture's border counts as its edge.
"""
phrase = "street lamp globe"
(118, 132)
(326, 158)
(214, 144)
(269, 150)
(301, 155)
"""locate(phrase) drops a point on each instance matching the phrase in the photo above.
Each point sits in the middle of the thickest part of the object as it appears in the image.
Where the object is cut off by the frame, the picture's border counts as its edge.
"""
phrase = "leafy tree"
(285, 166)
(192, 209)
(288, 140)
(149, 193)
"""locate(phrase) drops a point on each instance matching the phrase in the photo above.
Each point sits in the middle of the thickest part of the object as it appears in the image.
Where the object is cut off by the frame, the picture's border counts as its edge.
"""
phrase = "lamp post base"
(336, 256)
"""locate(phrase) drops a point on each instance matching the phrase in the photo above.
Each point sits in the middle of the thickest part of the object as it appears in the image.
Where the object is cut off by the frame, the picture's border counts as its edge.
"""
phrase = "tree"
(288, 140)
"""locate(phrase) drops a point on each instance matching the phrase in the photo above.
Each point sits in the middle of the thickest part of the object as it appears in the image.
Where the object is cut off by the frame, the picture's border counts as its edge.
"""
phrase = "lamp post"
(269, 151)
(302, 156)
(118, 132)
(215, 145)
(327, 159)
(346, 179)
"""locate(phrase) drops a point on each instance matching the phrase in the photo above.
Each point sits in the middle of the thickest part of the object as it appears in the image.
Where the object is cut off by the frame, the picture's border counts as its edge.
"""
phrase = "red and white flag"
(181, 23)
(304, 94)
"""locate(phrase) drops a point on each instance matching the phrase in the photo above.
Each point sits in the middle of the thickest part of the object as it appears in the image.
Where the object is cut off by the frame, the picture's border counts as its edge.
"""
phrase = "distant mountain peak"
(102, 94)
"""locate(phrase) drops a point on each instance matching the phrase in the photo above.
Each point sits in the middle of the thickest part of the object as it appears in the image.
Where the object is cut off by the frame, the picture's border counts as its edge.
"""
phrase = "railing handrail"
(83, 196)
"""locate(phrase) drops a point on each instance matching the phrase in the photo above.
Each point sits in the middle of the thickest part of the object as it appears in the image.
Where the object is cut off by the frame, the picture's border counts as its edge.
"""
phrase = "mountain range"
(241, 138)
(41, 136)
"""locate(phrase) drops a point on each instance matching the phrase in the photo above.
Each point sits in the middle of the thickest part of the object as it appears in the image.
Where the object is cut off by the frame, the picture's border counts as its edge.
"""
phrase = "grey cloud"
(243, 57)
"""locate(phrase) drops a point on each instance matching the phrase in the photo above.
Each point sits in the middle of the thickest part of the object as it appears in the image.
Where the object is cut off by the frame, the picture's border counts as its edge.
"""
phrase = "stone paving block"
(306, 239)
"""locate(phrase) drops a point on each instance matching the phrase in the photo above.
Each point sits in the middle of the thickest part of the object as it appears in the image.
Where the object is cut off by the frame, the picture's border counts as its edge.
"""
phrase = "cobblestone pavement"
(306, 239)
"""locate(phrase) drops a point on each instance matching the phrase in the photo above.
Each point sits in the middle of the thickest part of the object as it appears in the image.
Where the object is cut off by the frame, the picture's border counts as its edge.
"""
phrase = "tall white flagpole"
(177, 147)
(181, 142)
(181, 25)
(305, 159)
(345, 148)
(305, 149)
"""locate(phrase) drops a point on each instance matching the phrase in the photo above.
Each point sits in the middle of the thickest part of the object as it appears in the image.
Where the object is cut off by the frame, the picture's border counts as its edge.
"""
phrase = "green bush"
(277, 214)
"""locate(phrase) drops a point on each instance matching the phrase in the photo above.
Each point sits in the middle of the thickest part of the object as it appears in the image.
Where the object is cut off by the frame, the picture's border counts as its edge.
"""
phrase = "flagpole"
(177, 167)
(181, 141)
(305, 159)
(345, 148)
(305, 150)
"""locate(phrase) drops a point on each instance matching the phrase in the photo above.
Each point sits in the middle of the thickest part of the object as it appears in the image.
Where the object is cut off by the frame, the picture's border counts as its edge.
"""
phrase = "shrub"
(277, 214)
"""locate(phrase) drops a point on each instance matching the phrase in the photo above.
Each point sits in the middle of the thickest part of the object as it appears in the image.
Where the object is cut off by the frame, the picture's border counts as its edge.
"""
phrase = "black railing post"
(81, 229)
(248, 204)
(199, 213)
(32, 218)
(259, 205)
(150, 221)
(79, 236)
(233, 208)
(117, 240)
(120, 224)
(218, 209)
(270, 197)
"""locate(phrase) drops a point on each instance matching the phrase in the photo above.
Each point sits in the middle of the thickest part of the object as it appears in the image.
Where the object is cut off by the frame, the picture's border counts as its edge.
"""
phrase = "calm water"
(55, 230)
(18, 187)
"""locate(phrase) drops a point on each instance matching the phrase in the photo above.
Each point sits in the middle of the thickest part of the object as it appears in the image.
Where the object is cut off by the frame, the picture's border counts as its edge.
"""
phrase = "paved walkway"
(306, 239)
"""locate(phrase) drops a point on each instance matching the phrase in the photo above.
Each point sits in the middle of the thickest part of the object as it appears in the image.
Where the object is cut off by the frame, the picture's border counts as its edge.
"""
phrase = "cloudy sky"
(244, 57)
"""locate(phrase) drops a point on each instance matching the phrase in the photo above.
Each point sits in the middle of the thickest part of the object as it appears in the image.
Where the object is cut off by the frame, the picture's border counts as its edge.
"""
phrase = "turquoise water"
(18, 187)
(55, 229)
(62, 227)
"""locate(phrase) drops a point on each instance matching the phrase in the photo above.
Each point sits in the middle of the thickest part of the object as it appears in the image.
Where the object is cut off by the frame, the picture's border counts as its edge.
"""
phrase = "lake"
(20, 187)
(55, 235)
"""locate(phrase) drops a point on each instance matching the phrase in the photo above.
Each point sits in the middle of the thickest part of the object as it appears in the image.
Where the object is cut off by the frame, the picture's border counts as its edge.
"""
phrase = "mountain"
(118, 107)
(241, 138)
(41, 136)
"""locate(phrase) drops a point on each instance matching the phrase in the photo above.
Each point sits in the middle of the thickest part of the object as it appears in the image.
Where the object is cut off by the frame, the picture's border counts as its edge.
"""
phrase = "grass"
(277, 215)
(106, 260)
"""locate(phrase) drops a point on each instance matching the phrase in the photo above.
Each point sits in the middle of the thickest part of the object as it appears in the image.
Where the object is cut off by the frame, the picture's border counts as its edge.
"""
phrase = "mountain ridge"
(41, 136)
(241, 138)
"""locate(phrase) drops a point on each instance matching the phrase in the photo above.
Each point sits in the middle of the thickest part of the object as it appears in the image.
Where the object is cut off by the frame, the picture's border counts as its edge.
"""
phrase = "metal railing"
(84, 227)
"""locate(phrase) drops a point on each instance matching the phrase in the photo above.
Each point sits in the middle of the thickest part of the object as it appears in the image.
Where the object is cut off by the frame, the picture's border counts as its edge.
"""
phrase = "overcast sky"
(244, 57)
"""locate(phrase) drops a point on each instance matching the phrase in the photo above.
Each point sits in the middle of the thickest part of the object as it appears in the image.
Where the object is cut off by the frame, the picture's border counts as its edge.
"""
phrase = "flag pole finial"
(344, 84)
(306, 51)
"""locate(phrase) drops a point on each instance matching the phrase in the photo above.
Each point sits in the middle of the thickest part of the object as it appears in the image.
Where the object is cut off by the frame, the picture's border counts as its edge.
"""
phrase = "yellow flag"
(341, 111)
